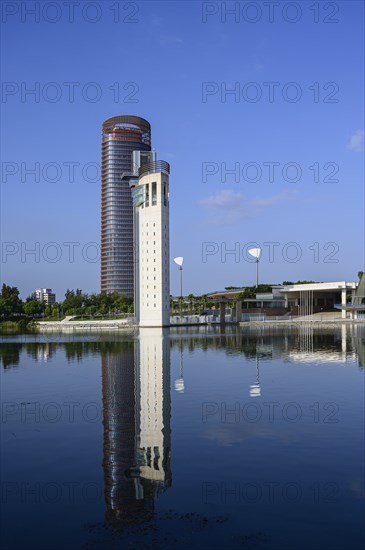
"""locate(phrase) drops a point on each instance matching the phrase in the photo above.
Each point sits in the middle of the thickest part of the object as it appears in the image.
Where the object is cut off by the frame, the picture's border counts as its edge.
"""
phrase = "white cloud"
(229, 207)
(226, 207)
(226, 198)
(356, 142)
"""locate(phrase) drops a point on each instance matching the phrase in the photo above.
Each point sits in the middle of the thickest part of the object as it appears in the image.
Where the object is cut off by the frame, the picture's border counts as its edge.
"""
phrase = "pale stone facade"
(152, 236)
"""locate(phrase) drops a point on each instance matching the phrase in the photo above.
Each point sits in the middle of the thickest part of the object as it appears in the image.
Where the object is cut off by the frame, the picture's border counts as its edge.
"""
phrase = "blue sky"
(160, 56)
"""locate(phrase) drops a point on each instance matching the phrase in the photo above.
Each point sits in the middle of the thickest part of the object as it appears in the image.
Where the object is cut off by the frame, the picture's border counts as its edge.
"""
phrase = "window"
(154, 193)
(147, 201)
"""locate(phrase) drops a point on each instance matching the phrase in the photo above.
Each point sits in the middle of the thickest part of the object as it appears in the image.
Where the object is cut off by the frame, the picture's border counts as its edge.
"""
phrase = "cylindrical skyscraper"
(121, 136)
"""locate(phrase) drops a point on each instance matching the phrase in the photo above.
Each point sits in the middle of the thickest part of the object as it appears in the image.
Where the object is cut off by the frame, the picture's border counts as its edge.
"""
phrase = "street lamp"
(256, 253)
(179, 260)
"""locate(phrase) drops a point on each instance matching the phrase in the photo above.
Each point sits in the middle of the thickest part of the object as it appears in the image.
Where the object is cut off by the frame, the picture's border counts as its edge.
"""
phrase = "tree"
(360, 274)
(249, 292)
(206, 302)
(33, 307)
(10, 303)
(55, 311)
(73, 300)
(191, 299)
(232, 288)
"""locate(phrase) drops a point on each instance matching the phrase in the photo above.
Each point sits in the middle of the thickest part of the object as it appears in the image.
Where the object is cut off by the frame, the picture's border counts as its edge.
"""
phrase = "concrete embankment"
(67, 326)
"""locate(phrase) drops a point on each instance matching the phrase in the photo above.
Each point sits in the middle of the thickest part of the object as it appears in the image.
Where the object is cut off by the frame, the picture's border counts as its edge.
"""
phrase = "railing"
(350, 306)
(197, 319)
(153, 167)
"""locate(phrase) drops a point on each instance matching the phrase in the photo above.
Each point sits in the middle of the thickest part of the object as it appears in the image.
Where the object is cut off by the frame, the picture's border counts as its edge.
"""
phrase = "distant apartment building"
(45, 295)
(121, 135)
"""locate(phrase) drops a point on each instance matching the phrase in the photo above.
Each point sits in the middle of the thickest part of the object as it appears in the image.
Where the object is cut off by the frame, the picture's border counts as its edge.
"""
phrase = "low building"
(226, 294)
(357, 306)
(313, 298)
(45, 295)
(269, 300)
(302, 299)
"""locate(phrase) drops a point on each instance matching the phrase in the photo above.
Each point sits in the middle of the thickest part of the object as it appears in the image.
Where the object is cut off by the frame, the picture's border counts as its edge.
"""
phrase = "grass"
(101, 317)
(17, 326)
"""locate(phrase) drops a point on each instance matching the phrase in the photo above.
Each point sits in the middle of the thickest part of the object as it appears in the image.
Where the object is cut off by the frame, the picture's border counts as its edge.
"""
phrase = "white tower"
(151, 199)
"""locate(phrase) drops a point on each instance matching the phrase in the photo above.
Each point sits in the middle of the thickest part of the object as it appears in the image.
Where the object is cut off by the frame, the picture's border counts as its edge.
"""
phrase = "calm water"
(189, 438)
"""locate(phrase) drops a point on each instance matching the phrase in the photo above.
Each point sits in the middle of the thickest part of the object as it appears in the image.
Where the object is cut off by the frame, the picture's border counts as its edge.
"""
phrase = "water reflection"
(179, 382)
(255, 389)
(302, 342)
(136, 420)
(135, 442)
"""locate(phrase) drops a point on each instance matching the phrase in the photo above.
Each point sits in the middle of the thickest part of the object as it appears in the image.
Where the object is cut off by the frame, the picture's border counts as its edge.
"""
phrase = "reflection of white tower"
(151, 199)
(154, 407)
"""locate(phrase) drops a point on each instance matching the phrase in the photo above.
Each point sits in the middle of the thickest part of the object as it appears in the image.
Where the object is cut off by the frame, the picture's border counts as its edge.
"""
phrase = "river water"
(193, 437)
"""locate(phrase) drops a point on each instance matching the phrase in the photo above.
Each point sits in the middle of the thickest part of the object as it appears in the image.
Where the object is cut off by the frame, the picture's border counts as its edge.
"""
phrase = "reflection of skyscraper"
(153, 418)
(136, 419)
(121, 136)
(120, 474)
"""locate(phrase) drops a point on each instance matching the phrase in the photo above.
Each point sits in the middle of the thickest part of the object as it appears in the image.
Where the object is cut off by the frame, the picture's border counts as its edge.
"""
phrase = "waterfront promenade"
(68, 325)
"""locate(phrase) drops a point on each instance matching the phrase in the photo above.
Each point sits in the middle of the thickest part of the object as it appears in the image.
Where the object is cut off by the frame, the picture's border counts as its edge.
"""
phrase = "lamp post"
(256, 253)
(179, 260)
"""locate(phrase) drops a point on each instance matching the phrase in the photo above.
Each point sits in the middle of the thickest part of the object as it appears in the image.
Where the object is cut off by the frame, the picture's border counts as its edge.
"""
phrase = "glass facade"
(121, 136)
